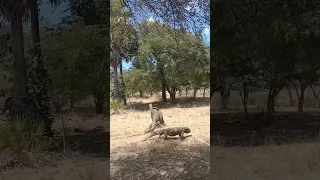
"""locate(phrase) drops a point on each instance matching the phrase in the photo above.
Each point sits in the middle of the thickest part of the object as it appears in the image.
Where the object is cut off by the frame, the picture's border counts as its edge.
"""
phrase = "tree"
(124, 42)
(78, 62)
(176, 55)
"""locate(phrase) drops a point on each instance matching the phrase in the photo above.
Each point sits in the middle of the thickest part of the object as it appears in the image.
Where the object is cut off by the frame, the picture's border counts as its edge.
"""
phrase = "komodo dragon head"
(187, 130)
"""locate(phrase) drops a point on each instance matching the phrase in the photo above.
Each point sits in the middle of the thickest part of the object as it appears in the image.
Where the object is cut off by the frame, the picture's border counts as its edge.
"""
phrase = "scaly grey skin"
(157, 119)
(7, 105)
(169, 132)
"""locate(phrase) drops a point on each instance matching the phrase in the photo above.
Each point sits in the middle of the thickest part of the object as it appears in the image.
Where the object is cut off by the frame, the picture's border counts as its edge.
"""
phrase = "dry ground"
(157, 158)
(92, 165)
(297, 161)
(289, 162)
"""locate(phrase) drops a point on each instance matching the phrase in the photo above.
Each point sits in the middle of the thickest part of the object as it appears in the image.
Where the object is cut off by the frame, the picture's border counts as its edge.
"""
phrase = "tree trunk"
(195, 92)
(151, 93)
(315, 94)
(123, 86)
(204, 92)
(271, 104)
(35, 32)
(172, 96)
(290, 95)
(186, 91)
(163, 82)
(180, 92)
(141, 94)
(244, 98)
(115, 82)
(19, 89)
(172, 93)
(99, 101)
(225, 93)
(301, 99)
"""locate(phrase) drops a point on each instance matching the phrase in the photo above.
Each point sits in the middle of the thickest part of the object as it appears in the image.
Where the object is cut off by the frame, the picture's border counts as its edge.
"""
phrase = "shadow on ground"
(92, 144)
(161, 159)
(234, 129)
(189, 102)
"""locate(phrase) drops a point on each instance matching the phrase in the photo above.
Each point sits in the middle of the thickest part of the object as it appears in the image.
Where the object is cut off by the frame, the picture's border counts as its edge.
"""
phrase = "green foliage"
(116, 104)
(92, 11)
(77, 61)
(177, 56)
(139, 80)
(21, 135)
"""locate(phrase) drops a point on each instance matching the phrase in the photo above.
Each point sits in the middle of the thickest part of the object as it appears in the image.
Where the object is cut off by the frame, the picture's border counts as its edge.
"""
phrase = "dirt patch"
(294, 162)
(80, 168)
(157, 158)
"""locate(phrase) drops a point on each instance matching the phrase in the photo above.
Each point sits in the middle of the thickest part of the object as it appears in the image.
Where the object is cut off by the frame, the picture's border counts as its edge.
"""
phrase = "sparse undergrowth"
(116, 105)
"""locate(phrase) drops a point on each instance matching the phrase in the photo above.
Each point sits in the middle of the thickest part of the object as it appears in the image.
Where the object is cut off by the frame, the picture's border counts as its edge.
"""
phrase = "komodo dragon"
(169, 132)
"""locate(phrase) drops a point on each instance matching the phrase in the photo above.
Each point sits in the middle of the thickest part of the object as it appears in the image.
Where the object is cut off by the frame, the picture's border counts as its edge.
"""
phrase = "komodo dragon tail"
(149, 136)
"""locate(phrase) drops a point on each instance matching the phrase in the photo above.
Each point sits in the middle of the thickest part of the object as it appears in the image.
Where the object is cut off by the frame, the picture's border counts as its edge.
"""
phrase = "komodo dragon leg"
(165, 135)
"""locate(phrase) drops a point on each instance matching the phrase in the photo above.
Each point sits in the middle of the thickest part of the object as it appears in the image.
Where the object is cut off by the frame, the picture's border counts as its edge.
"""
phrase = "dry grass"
(157, 158)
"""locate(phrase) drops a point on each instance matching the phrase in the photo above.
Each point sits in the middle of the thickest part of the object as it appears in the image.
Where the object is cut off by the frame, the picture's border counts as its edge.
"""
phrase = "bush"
(116, 104)
(21, 138)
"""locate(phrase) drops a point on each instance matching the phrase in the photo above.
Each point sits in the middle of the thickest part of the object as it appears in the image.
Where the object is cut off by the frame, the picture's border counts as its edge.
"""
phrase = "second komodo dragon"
(169, 132)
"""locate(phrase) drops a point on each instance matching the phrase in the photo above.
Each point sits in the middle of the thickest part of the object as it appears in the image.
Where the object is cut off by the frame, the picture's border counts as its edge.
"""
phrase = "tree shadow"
(161, 160)
(234, 129)
(184, 102)
(92, 144)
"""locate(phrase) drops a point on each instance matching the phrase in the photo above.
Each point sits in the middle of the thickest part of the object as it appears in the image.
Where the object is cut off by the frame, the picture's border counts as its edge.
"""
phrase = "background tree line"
(164, 58)
(270, 45)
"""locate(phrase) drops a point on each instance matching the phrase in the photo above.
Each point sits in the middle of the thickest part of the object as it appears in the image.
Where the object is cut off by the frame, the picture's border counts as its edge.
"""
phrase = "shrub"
(116, 104)
(21, 138)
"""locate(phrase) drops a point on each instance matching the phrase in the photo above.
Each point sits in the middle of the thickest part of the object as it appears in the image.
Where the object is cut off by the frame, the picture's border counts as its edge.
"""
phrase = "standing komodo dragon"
(156, 117)
(169, 132)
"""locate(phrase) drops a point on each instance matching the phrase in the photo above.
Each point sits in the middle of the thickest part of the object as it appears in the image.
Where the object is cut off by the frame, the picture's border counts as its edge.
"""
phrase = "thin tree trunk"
(123, 86)
(301, 100)
(19, 89)
(290, 95)
(244, 98)
(186, 91)
(204, 92)
(140, 94)
(180, 92)
(163, 82)
(115, 82)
